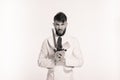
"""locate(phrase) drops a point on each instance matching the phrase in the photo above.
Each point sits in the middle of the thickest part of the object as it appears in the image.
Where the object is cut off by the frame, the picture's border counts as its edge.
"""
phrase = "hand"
(59, 55)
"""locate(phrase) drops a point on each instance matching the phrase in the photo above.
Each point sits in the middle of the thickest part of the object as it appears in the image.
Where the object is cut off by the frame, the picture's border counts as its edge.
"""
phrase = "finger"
(60, 54)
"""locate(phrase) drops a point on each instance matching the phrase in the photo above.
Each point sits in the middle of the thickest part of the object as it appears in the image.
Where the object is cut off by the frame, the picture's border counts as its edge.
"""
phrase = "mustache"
(60, 34)
(59, 29)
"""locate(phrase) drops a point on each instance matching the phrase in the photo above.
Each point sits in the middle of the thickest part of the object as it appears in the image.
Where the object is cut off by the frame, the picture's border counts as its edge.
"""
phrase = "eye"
(57, 24)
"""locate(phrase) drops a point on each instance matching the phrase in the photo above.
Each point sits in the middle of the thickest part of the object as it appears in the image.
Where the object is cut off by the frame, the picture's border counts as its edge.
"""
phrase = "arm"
(75, 59)
(43, 60)
(77, 54)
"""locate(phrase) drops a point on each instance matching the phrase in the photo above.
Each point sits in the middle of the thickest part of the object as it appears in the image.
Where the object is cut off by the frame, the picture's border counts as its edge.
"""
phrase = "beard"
(59, 33)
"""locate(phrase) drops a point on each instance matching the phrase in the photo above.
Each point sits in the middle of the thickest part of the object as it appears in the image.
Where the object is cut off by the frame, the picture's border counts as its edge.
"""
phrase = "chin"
(60, 33)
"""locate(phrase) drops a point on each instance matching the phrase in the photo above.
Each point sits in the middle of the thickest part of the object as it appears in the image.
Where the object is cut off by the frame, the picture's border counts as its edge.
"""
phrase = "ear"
(53, 24)
(66, 23)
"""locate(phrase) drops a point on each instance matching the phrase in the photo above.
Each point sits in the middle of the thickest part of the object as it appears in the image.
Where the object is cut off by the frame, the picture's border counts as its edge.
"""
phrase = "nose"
(59, 27)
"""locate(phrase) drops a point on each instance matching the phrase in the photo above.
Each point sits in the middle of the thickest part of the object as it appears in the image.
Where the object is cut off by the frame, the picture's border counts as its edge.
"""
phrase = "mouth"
(60, 31)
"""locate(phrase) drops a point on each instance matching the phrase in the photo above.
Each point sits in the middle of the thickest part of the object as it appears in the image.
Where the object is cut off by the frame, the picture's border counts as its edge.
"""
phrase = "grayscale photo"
(60, 53)
(59, 39)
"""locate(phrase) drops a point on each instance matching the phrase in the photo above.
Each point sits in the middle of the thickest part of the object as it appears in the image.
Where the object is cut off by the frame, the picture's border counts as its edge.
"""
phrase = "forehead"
(59, 22)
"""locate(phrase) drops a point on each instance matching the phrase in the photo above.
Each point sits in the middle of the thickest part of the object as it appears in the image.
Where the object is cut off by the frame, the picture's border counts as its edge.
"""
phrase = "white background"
(24, 24)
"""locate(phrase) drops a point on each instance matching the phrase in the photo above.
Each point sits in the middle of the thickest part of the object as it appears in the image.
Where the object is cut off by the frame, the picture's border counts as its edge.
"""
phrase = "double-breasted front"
(73, 58)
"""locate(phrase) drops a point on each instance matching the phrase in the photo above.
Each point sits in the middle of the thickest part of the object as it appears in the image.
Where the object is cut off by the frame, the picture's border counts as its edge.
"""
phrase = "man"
(60, 53)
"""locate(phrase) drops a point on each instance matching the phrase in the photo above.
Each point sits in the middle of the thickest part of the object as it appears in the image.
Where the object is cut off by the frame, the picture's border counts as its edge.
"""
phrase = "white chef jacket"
(73, 58)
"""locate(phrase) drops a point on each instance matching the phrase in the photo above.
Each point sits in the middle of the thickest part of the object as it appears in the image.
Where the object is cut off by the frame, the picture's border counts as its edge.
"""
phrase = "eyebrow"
(58, 23)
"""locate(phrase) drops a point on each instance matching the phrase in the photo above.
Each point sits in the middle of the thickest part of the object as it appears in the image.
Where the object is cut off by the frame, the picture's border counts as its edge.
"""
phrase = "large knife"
(65, 45)
(54, 40)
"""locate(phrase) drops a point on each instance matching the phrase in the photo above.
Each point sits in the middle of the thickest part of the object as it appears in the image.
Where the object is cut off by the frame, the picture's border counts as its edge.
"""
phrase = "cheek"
(56, 27)
(63, 27)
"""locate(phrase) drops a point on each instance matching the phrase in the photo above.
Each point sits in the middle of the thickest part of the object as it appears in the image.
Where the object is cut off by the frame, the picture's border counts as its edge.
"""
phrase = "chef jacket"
(73, 58)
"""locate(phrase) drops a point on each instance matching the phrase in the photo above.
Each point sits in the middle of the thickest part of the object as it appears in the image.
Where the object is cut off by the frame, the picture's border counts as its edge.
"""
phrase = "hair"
(61, 17)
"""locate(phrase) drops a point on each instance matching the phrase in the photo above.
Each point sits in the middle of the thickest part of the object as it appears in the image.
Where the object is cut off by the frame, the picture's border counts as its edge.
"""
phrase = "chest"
(67, 44)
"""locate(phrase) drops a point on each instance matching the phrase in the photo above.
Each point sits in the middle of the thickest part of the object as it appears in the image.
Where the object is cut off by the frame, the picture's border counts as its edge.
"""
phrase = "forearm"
(46, 63)
(73, 62)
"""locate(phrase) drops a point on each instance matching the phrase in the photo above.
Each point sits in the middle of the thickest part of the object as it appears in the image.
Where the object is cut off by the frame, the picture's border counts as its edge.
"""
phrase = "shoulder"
(73, 39)
(47, 39)
(75, 42)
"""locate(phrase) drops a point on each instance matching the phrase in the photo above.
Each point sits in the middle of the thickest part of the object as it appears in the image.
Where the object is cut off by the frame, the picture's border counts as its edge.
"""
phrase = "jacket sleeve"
(76, 60)
(44, 60)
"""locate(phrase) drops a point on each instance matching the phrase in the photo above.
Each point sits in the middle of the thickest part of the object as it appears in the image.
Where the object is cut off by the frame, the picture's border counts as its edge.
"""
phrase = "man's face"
(60, 27)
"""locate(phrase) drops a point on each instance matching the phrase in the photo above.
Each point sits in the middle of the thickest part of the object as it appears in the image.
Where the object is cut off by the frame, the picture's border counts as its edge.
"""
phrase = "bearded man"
(60, 53)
